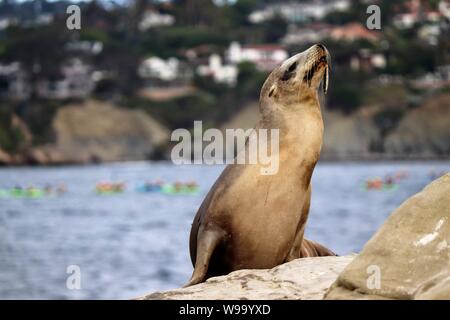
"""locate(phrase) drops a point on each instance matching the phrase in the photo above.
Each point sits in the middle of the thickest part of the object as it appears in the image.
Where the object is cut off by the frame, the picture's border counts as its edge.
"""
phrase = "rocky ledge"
(408, 258)
(307, 278)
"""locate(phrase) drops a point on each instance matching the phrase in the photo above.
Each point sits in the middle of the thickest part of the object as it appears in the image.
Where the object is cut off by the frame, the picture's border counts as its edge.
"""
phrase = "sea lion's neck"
(301, 127)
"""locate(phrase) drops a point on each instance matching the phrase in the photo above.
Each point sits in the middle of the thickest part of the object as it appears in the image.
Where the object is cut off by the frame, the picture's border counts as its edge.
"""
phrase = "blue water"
(134, 243)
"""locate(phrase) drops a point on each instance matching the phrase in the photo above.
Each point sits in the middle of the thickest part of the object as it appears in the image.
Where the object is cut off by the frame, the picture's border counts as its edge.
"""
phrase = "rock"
(424, 131)
(348, 137)
(345, 137)
(306, 278)
(410, 252)
(5, 158)
(98, 131)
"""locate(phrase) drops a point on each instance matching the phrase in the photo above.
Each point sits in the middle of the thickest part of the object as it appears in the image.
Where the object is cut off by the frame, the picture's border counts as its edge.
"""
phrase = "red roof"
(354, 31)
(264, 47)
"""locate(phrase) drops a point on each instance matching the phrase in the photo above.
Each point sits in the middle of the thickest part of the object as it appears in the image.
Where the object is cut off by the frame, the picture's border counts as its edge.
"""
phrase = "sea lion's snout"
(318, 65)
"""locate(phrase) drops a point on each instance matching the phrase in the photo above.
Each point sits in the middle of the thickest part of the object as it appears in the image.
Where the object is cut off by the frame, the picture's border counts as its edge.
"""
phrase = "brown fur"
(249, 220)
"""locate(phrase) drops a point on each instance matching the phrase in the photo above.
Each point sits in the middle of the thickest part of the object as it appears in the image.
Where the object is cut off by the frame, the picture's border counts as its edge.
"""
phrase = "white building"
(152, 19)
(264, 56)
(444, 8)
(13, 82)
(221, 73)
(310, 34)
(158, 68)
(364, 59)
(7, 21)
(299, 11)
(416, 11)
(85, 46)
(75, 81)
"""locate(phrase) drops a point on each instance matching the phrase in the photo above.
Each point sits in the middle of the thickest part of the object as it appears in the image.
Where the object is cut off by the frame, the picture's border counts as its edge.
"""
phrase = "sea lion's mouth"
(324, 60)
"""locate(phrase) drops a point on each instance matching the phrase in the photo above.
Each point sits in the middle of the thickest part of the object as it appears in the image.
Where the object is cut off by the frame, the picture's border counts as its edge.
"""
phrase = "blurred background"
(86, 117)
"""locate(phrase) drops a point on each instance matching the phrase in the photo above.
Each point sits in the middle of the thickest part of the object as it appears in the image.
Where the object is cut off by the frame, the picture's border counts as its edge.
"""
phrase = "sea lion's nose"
(321, 46)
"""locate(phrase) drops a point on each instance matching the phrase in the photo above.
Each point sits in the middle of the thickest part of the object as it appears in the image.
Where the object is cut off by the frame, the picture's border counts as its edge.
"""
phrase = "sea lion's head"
(298, 78)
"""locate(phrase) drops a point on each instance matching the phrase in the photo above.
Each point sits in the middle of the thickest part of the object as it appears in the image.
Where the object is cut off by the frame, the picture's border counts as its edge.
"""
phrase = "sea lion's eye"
(292, 67)
(289, 73)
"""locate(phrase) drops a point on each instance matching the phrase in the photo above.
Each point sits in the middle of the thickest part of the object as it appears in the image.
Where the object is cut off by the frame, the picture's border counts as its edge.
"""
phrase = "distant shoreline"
(393, 159)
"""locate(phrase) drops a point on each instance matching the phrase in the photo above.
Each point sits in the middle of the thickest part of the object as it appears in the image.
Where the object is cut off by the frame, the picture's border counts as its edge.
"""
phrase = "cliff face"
(424, 131)
(96, 131)
(408, 258)
(344, 137)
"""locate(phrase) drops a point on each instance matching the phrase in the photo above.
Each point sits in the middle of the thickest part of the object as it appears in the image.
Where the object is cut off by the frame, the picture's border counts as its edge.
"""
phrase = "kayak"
(32, 193)
(383, 187)
(182, 190)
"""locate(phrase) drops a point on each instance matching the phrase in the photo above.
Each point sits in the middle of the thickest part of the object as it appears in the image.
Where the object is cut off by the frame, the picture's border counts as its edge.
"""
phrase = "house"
(5, 22)
(444, 72)
(199, 55)
(297, 12)
(158, 68)
(353, 31)
(365, 60)
(13, 82)
(264, 56)
(74, 81)
(152, 19)
(430, 33)
(316, 32)
(85, 46)
(221, 73)
(444, 8)
(311, 33)
(162, 72)
(418, 11)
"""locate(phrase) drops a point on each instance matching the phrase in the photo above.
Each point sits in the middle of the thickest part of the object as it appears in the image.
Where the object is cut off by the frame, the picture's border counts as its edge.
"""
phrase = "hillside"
(98, 131)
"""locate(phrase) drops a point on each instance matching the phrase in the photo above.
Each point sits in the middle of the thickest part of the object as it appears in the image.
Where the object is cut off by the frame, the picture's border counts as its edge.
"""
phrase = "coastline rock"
(425, 131)
(305, 279)
(100, 132)
(345, 137)
(409, 257)
(348, 137)
(5, 158)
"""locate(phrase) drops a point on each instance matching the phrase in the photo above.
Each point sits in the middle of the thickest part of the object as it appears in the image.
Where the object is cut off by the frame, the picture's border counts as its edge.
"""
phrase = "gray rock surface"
(409, 257)
(305, 279)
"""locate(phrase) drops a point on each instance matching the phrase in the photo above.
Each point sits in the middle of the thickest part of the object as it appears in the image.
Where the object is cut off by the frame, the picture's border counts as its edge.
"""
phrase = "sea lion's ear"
(273, 90)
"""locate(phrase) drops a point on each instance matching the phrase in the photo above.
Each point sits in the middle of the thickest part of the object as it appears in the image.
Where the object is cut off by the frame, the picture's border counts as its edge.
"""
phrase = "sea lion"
(254, 221)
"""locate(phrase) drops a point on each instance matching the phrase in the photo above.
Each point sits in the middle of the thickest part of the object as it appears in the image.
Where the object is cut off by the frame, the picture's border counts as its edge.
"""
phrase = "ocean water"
(132, 243)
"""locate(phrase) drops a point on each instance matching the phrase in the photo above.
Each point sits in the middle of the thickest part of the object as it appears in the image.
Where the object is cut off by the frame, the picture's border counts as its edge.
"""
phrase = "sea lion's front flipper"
(207, 241)
(313, 249)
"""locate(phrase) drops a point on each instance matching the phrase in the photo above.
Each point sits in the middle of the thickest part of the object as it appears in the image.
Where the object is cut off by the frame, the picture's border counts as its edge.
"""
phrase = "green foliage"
(249, 81)
(274, 29)
(93, 34)
(208, 84)
(410, 58)
(39, 117)
(387, 119)
(346, 90)
(166, 42)
(238, 13)
(391, 95)
(179, 112)
(10, 138)
(36, 46)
